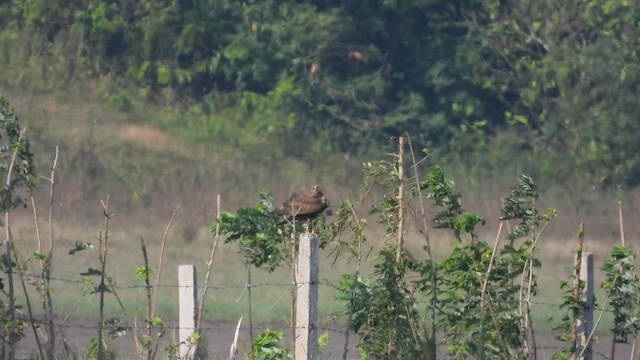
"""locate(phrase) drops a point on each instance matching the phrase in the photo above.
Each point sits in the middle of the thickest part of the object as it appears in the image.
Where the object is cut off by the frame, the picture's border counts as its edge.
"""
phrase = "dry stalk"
(216, 237)
(200, 303)
(28, 301)
(621, 222)
(46, 266)
(525, 300)
(42, 262)
(73, 308)
(425, 231)
(104, 242)
(112, 288)
(160, 261)
(233, 351)
(484, 285)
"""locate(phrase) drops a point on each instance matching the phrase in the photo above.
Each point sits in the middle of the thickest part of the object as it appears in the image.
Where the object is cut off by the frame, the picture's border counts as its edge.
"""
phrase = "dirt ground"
(219, 337)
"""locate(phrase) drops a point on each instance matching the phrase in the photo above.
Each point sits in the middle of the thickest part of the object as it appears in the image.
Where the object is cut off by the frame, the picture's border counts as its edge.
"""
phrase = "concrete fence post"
(187, 300)
(306, 337)
(584, 323)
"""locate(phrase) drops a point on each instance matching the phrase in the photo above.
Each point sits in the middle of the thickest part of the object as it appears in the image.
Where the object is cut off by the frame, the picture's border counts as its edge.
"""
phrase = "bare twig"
(525, 299)
(425, 231)
(484, 286)
(47, 266)
(200, 303)
(29, 309)
(216, 237)
(104, 241)
(233, 351)
(73, 308)
(160, 261)
(113, 290)
(621, 222)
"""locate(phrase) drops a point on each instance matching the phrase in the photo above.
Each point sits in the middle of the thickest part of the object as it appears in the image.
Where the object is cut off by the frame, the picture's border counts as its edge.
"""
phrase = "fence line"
(287, 285)
(265, 284)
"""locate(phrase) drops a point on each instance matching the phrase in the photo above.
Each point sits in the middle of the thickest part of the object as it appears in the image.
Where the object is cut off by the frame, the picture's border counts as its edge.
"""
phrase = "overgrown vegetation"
(479, 82)
(478, 296)
(499, 87)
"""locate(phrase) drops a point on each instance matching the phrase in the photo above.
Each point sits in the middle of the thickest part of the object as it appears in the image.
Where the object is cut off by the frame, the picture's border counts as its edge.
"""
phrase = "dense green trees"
(480, 79)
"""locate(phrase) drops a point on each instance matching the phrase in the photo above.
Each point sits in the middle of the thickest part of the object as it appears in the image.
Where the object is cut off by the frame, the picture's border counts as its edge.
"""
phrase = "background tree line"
(538, 87)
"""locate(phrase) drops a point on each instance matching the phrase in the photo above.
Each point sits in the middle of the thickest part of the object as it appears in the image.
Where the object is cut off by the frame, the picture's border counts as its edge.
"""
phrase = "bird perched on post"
(305, 206)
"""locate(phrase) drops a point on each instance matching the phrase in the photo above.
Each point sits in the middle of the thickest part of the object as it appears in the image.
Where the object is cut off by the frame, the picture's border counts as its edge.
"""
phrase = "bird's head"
(315, 189)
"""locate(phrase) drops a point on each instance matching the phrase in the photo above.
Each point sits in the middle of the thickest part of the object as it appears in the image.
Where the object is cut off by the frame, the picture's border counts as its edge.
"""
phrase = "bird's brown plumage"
(304, 206)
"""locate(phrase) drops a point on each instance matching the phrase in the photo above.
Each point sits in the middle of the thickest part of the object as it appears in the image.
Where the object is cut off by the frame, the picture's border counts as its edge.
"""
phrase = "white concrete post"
(306, 339)
(584, 325)
(187, 302)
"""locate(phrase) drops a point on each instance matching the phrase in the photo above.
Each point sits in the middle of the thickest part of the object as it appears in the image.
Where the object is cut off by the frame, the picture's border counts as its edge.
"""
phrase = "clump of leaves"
(270, 346)
(451, 215)
(521, 204)
(12, 142)
(93, 351)
(383, 309)
(16, 165)
(479, 294)
(259, 232)
(621, 282)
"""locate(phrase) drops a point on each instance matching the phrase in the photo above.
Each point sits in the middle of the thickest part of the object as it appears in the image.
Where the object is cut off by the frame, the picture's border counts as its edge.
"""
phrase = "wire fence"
(220, 332)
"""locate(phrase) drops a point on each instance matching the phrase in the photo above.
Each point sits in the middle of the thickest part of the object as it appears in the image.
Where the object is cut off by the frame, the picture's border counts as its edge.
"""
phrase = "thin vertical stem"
(294, 261)
(104, 242)
(47, 267)
(400, 240)
(31, 318)
(148, 291)
(576, 281)
(353, 287)
(425, 229)
(10, 338)
(250, 308)
(160, 261)
(216, 237)
(483, 291)
(621, 222)
(26, 295)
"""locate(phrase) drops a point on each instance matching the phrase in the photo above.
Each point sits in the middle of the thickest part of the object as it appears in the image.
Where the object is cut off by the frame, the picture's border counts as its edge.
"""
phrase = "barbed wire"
(221, 326)
(287, 286)
(231, 327)
(244, 287)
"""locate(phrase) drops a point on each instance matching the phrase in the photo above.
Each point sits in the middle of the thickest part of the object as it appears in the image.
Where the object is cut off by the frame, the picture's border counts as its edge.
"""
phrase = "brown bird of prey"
(304, 206)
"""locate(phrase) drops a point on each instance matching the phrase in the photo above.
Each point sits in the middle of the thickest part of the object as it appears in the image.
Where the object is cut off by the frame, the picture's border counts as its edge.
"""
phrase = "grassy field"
(148, 169)
(227, 300)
